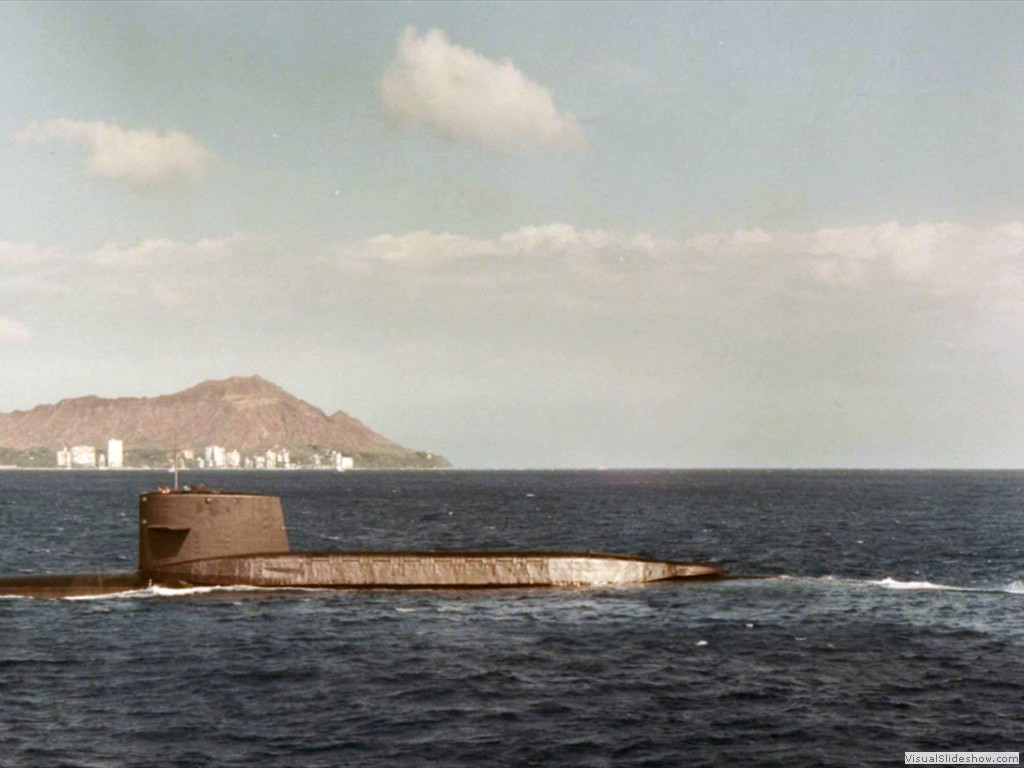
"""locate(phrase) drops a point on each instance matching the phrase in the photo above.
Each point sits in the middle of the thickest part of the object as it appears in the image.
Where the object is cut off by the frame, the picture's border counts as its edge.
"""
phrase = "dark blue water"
(892, 621)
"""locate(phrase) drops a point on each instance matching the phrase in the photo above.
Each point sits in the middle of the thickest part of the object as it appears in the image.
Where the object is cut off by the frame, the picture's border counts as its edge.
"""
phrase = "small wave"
(161, 591)
(1013, 588)
(890, 583)
(186, 591)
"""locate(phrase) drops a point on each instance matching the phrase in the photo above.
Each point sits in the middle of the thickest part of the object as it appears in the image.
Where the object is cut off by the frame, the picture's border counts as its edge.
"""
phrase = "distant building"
(64, 458)
(216, 456)
(234, 459)
(115, 454)
(343, 463)
(83, 456)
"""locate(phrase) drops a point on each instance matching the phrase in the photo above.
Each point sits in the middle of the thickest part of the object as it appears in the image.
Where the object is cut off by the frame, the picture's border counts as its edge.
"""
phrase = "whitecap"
(155, 590)
(128, 593)
(890, 583)
(1013, 588)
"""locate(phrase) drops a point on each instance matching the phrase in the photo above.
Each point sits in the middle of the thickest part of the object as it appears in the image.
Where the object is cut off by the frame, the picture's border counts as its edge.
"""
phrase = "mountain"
(248, 414)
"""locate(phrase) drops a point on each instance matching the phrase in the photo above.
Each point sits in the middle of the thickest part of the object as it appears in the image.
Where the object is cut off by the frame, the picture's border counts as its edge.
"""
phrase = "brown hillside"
(247, 413)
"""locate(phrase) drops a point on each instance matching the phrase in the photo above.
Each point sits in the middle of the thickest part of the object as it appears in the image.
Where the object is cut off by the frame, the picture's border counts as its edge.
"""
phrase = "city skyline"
(531, 235)
(86, 456)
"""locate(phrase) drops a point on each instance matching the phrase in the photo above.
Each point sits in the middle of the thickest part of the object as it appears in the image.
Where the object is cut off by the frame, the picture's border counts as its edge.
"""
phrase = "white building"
(115, 454)
(64, 457)
(216, 456)
(83, 456)
(234, 459)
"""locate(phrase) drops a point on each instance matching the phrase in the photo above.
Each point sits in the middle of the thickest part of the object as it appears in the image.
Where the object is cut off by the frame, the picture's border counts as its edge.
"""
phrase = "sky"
(531, 235)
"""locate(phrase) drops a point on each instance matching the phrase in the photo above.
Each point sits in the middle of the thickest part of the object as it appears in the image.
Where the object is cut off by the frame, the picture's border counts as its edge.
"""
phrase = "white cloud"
(470, 98)
(427, 250)
(13, 332)
(939, 259)
(138, 159)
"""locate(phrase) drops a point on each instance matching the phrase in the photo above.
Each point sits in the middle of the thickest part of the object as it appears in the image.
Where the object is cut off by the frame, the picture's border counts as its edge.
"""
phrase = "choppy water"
(892, 620)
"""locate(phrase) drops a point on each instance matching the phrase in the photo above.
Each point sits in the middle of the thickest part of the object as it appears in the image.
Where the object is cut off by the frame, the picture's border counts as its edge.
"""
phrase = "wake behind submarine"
(201, 538)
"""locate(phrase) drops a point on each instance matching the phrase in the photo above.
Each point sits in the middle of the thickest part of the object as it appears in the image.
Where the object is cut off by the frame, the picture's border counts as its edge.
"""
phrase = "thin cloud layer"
(472, 99)
(137, 159)
(13, 332)
(427, 249)
(822, 337)
(147, 253)
(936, 261)
(168, 252)
(556, 260)
(148, 268)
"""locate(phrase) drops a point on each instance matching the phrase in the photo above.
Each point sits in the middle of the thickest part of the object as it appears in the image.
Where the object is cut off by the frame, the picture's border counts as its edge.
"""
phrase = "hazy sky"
(531, 235)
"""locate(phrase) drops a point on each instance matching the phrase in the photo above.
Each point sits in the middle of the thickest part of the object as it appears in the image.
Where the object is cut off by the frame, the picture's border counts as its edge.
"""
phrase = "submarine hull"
(56, 586)
(404, 570)
(215, 539)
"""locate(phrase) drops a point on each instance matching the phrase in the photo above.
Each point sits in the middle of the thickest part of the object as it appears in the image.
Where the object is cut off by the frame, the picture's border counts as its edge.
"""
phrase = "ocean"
(884, 613)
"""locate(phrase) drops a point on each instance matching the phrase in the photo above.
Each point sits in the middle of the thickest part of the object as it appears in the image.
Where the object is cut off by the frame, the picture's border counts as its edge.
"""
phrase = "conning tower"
(181, 526)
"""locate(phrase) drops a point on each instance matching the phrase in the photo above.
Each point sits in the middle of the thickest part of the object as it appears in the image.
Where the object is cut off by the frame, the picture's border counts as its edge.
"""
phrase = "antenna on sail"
(175, 465)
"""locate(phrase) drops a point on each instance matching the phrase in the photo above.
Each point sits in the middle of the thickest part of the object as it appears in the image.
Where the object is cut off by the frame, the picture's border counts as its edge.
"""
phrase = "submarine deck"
(430, 570)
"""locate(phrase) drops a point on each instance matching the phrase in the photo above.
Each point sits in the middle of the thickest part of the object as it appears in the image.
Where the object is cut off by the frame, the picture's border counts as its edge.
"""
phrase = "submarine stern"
(58, 586)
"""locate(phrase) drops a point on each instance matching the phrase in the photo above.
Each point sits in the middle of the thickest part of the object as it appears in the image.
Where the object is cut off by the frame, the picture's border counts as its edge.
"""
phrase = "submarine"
(201, 538)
